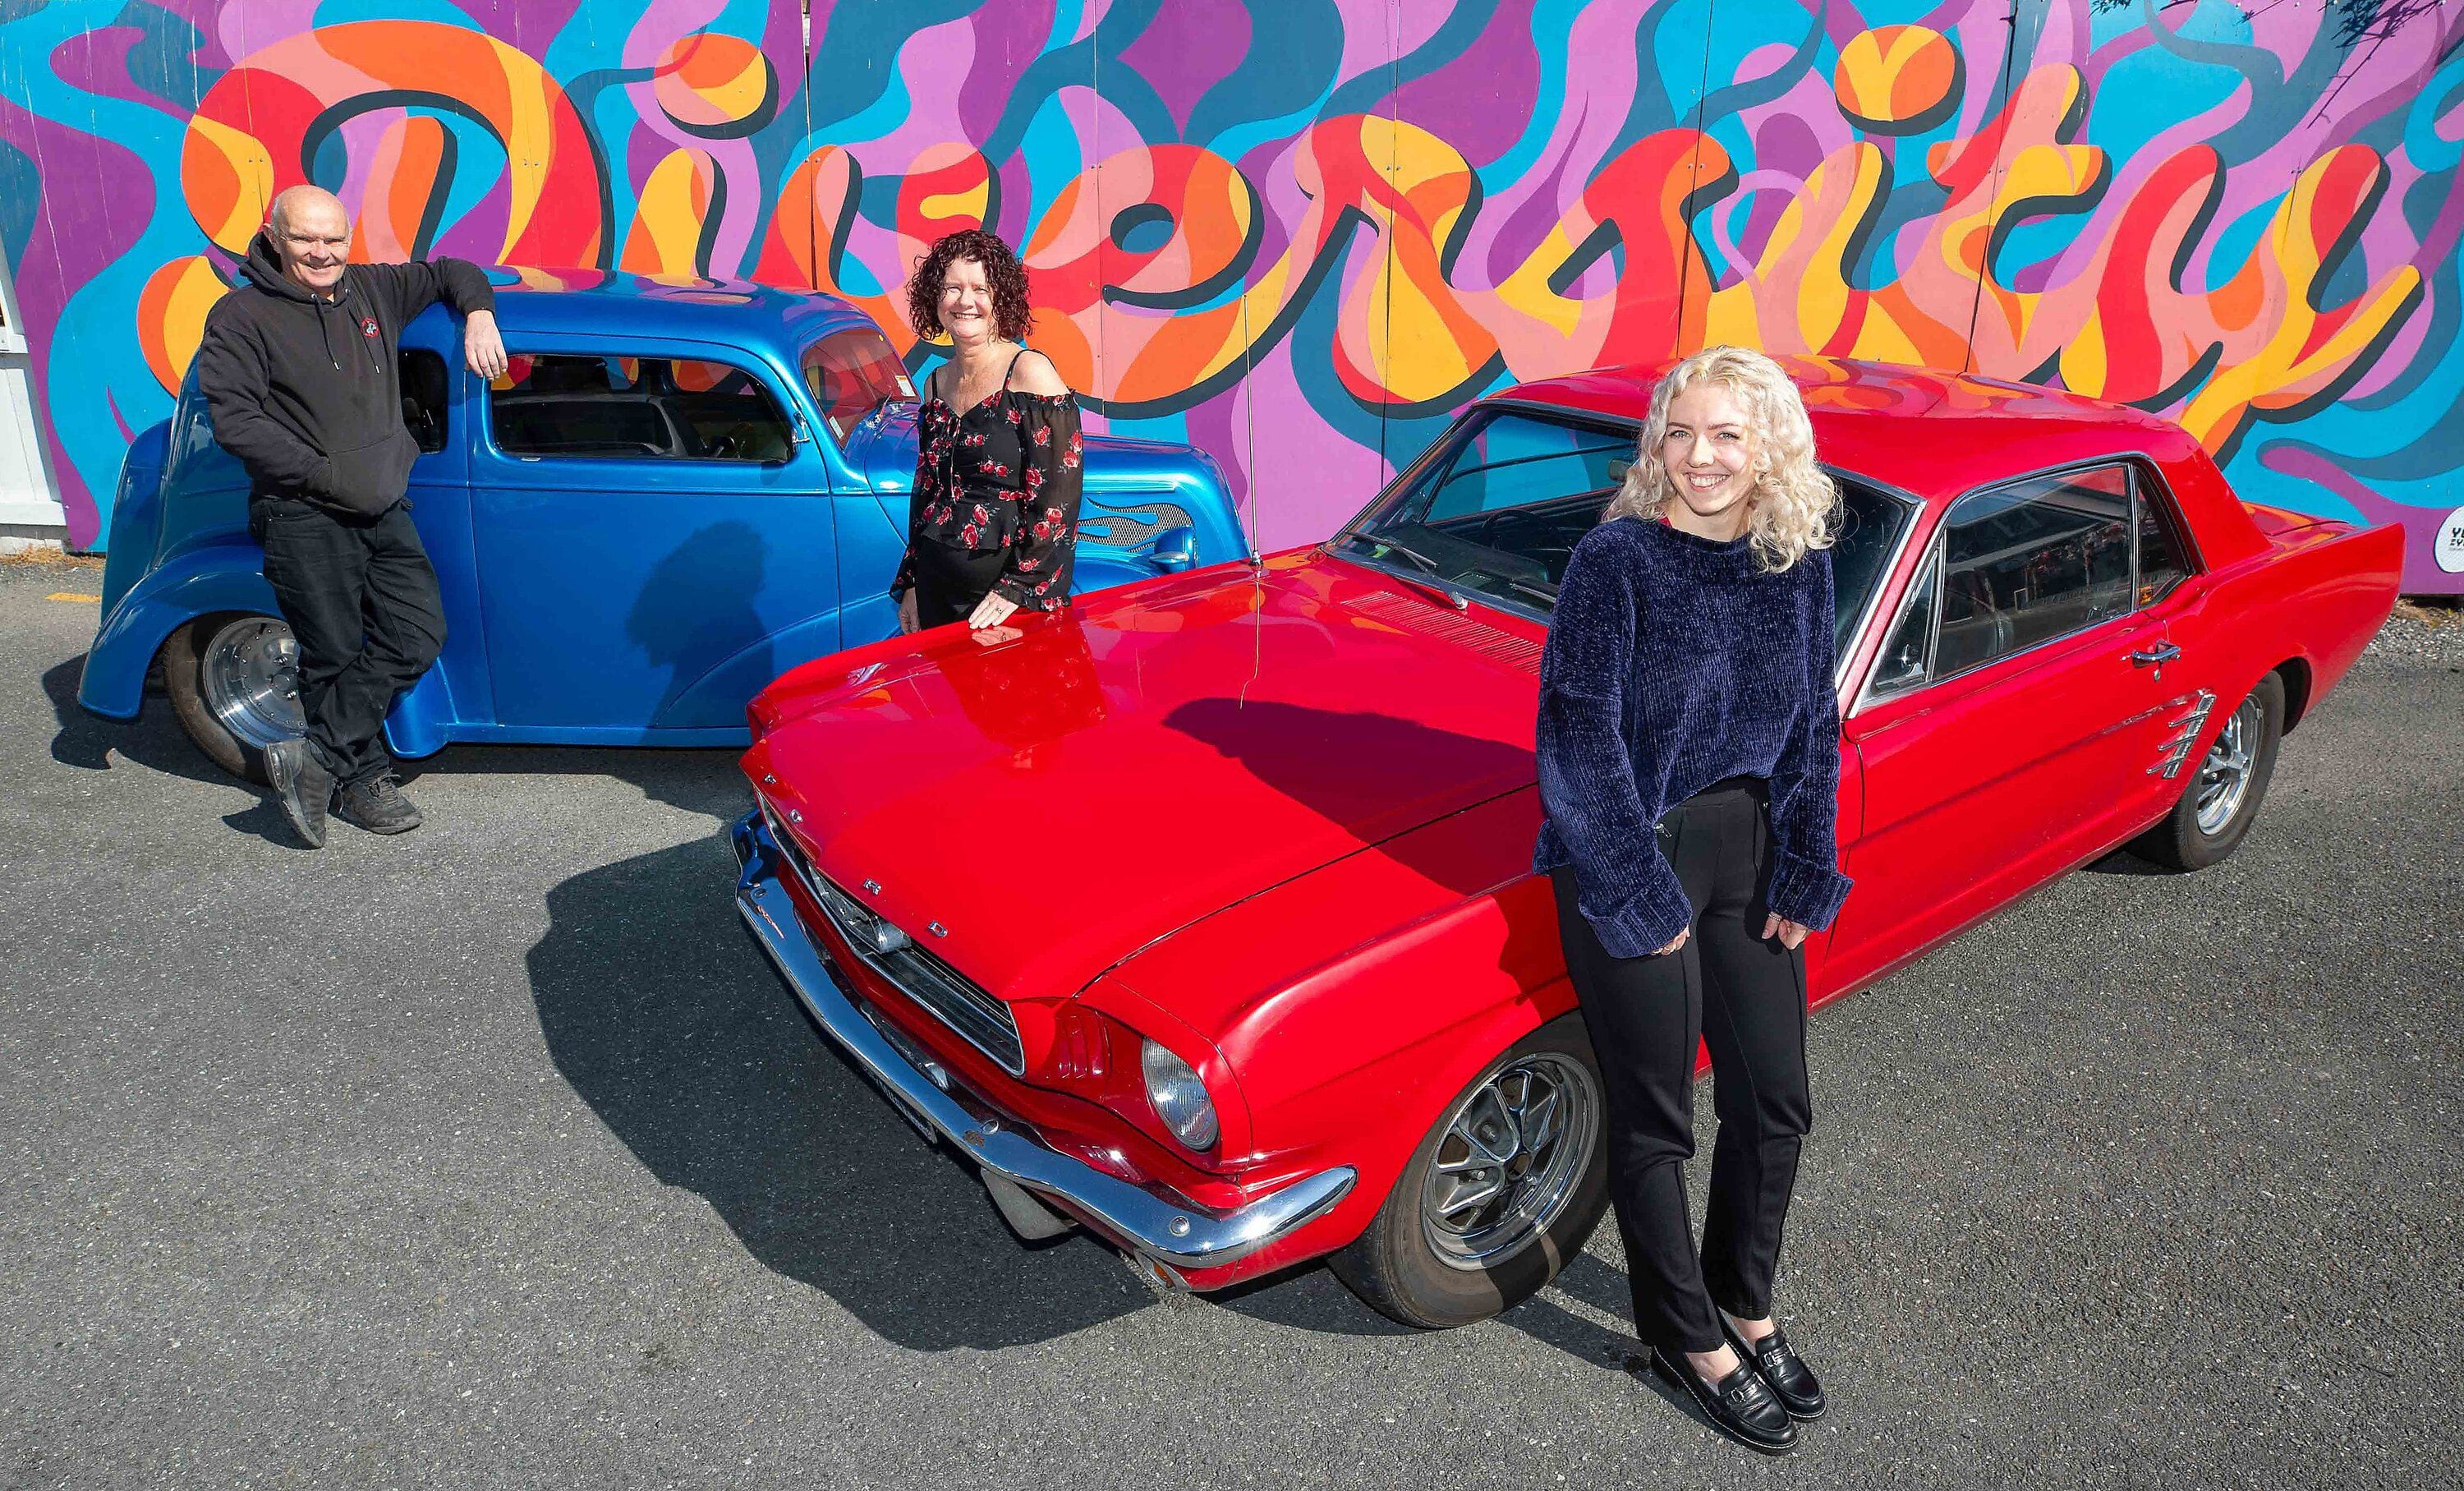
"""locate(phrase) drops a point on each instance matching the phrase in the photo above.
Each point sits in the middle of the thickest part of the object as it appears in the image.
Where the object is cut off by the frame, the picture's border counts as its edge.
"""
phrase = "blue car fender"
(212, 577)
(228, 576)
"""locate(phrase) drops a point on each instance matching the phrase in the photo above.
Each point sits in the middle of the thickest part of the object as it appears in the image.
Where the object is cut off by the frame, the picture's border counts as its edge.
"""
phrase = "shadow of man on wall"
(666, 1019)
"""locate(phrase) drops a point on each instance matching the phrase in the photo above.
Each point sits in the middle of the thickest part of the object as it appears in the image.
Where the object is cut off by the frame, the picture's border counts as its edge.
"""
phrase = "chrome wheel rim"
(1510, 1160)
(250, 675)
(2224, 777)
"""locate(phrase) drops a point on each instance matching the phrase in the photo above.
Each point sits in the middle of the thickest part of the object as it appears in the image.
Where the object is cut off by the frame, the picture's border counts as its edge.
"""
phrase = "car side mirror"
(1175, 549)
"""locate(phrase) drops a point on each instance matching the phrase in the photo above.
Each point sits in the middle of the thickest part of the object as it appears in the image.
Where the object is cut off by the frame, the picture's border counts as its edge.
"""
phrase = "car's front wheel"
(234, 679)
(1500, 1194)
(2221, 800)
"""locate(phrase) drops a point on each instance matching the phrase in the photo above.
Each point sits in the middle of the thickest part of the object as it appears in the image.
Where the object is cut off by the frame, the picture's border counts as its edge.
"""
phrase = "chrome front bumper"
(1179, 1235)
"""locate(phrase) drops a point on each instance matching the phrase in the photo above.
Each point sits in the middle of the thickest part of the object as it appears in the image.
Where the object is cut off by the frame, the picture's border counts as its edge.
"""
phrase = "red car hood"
(1058, 801)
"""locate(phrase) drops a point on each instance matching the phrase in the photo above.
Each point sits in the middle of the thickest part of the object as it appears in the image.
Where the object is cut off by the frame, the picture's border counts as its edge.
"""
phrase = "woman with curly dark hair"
(992, 525)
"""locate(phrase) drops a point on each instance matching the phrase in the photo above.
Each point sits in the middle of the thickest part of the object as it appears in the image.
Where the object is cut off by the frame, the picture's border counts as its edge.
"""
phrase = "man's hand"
(483, 348)
(992, 610)
(1789, 933)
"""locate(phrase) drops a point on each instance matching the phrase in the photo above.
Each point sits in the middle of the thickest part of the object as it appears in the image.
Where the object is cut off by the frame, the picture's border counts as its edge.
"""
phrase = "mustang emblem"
(2186, 730)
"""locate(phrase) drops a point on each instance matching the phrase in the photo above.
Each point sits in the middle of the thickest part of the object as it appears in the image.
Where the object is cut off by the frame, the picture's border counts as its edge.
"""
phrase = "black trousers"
(1744, 998)
(361, 600)
(950, 583)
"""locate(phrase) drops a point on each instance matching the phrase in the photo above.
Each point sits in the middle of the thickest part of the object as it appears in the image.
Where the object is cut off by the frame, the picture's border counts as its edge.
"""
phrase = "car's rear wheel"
(1500, 1194)
(234, 679)
(2221, 799)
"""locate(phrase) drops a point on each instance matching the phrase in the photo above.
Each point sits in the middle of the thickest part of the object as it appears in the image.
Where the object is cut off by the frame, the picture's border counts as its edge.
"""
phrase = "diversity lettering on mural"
(1302, 233)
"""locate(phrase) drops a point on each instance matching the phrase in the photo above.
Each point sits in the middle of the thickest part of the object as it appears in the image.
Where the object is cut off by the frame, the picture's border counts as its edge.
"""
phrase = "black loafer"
(1789, 1379)
(1741, 1406)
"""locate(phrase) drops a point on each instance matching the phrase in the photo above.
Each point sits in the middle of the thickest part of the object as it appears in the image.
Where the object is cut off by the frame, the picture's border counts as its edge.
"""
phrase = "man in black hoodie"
(300, 371)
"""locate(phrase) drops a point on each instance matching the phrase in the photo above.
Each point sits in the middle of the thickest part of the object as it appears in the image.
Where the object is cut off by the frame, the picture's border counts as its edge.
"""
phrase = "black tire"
(2179, 842)
(1396, 1269)
(183, 658)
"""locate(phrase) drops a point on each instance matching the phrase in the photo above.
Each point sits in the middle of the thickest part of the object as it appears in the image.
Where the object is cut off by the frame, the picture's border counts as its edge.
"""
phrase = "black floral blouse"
(1006, 474)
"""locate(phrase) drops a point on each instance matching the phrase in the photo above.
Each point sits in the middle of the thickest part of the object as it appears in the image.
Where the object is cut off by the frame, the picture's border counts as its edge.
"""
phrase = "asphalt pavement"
(497, 1155)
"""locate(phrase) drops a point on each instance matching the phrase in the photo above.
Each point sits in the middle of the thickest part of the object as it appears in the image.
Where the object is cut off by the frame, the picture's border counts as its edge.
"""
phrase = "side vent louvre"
(1470, 633)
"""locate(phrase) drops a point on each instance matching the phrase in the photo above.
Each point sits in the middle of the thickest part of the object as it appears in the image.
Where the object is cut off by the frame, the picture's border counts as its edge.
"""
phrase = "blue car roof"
(734, 312)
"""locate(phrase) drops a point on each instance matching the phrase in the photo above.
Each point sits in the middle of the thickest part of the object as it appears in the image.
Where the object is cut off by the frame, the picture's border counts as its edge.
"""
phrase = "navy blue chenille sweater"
(1675, 662)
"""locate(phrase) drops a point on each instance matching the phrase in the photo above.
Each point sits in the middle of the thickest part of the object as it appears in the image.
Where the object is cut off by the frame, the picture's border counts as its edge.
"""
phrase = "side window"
(2161, 565)
(1908, 656)
(1862, 548)
(2027, 563)
(635, 408)
(423, 397)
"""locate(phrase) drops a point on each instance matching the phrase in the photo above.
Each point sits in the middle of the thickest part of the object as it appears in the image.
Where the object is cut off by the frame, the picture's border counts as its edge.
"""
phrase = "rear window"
(635, 408)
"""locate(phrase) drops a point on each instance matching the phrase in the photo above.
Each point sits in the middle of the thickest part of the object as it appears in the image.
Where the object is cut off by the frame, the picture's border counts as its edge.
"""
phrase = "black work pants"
(1742, 995)
(361, 600)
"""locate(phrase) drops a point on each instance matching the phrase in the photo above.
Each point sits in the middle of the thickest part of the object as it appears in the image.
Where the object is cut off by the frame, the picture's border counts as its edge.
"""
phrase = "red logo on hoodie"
(368, 327)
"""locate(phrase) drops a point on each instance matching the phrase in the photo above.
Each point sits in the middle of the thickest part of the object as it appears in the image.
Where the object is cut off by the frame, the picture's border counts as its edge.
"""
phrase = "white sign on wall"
(2448, 548)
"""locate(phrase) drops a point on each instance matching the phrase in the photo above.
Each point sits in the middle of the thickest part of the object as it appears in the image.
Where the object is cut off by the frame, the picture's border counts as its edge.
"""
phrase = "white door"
(26, 496)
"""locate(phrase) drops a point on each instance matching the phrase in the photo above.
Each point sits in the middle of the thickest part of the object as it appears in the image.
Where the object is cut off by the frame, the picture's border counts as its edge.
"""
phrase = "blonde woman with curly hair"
(1689, 745)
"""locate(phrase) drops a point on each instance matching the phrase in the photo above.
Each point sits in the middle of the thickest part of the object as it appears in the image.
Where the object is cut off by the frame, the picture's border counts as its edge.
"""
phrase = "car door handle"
(2155, 657)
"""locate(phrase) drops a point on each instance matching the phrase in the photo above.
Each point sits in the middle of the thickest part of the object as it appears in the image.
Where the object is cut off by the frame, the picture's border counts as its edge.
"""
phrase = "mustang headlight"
(1178, 1098)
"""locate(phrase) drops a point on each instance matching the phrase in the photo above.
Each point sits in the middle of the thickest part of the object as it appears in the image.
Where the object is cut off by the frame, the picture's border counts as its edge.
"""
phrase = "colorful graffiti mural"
(1301, 233)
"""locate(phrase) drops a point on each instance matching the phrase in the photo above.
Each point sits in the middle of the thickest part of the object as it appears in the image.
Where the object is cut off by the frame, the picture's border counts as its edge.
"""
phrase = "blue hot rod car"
(678, 492)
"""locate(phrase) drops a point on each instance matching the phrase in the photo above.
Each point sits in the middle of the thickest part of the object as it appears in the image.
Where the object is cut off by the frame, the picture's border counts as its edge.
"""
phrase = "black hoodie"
(306, 392)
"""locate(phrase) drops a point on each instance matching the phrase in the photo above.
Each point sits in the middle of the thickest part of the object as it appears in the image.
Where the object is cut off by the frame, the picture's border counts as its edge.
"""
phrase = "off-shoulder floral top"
(1006, 474)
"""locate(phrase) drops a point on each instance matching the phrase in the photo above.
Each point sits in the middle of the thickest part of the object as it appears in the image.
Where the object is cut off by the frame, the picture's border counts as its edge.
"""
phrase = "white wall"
(28, 500)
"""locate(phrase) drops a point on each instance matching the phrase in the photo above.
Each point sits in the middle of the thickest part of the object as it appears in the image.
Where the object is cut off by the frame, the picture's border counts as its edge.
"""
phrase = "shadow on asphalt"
(1604, 1289)
(666, 1018)
(696, 780)
(669, 1022)
(2123, 863)
(264, 820)
(153, 740)
(702, 779)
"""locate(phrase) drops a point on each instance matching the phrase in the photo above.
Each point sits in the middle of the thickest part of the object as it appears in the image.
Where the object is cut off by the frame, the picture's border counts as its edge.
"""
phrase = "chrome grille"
(945, 993)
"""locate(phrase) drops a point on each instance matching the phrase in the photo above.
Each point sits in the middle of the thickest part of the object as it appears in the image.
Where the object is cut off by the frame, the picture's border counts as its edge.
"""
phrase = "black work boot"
(377, 806)
(302, 785)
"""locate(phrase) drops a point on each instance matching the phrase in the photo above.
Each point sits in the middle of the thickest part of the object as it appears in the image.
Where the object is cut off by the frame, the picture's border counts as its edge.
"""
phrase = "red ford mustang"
(1203, 916)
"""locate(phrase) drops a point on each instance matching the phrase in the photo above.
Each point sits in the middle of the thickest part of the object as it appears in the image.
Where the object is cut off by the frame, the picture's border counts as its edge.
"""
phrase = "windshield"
(853, 372)
(1497, 506)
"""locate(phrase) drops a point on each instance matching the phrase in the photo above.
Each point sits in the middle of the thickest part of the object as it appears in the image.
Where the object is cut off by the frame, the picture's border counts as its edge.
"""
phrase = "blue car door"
(653, 535)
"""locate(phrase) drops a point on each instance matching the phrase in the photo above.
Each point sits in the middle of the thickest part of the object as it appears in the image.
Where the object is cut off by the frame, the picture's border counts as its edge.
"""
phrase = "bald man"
(300, 371)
